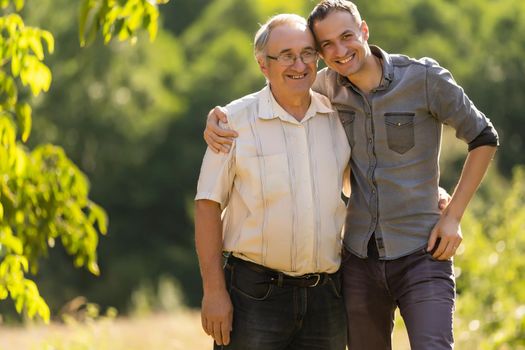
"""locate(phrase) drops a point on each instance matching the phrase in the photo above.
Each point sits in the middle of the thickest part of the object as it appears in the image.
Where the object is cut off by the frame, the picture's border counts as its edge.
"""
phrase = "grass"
(180, 330)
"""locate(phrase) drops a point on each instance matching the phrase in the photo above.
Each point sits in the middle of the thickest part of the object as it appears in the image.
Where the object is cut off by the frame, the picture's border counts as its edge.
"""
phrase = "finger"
(432, 240)
(225, 133)
(442, 245)
(213, 117)
(217, 333)
(225, 332)
(216, 138)
(221, 114)
(210, 143)
(448, 252)
(222, 144)
(205, 325)
(217, 134)
(442, 204)
(218, 143)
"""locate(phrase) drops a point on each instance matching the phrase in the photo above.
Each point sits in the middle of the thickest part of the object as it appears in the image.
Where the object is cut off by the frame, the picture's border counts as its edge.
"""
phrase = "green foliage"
(120, 18)
(491, 281)
(132, 119)
(43, 195)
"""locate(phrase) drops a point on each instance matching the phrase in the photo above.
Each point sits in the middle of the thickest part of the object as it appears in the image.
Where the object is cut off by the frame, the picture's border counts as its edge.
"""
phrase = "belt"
(280, 279)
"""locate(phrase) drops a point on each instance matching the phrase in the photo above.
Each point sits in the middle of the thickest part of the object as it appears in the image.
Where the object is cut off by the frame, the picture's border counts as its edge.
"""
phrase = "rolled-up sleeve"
(216, 177)
(449, 103)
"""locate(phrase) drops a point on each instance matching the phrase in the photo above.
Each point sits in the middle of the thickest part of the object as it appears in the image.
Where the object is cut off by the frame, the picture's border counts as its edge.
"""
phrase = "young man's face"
(342, 42)
(292, 40)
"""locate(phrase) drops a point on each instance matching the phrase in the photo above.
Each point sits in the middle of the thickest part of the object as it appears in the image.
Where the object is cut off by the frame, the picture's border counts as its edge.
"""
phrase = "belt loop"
(280, 278)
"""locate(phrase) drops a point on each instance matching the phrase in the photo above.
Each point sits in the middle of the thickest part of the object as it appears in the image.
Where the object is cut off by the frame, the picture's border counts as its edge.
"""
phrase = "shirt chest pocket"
(264, 178)
(400, 131)
(347, 118)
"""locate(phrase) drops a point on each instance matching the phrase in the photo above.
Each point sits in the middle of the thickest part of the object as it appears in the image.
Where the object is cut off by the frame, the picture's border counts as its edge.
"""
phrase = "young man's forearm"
(474, 169)
(448, 228)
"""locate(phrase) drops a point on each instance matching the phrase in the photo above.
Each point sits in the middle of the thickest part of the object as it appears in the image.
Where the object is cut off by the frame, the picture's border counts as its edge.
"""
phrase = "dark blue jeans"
(423, 288)
(268, 317)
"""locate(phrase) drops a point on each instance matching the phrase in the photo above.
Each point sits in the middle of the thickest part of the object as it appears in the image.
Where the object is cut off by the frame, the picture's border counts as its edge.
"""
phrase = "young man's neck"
(369, 76)
(295, 104)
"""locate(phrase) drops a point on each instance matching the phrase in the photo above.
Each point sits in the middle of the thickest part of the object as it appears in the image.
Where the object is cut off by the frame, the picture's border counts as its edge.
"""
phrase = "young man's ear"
(364, 30)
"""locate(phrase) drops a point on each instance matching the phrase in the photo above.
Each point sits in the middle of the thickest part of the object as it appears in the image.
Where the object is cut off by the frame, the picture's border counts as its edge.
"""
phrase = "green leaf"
(49, 39)
(15, 64)
(83, 16)
(36, 45)
(3, 293)
(23, 113)
(100, 215)
(93, 268)
(12, 243)
(19, 4)
(19, 304)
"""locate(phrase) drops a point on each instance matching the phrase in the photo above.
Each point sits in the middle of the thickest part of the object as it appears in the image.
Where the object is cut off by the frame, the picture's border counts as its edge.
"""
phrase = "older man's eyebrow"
(306, 48)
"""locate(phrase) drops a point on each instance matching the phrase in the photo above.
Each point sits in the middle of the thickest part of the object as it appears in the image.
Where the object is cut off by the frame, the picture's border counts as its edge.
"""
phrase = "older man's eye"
(308, 54)
(287, 58)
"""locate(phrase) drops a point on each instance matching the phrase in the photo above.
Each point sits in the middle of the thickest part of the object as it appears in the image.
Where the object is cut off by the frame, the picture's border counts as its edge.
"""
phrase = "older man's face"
(290, 41)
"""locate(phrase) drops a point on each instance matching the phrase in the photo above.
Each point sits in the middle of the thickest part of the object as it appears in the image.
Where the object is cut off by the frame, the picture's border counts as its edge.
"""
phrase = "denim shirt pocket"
(400, 131)
(347, 118)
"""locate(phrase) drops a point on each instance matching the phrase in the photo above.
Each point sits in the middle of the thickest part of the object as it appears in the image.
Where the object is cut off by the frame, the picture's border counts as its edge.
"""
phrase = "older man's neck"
(295, 104)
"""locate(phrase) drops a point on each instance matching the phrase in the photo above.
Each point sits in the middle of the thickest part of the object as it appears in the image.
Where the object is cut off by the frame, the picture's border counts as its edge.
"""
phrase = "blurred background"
(131, 118)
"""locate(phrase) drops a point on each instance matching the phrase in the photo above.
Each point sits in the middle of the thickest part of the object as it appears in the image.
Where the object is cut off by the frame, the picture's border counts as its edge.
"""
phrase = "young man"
(280, 187)
(398, 245)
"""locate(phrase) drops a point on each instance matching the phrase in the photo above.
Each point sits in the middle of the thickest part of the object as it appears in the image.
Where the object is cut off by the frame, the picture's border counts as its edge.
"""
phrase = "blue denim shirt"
(395, 135)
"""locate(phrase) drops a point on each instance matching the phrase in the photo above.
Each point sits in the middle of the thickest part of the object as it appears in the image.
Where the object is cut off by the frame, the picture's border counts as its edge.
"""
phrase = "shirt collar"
(270, 109)
(388, 69)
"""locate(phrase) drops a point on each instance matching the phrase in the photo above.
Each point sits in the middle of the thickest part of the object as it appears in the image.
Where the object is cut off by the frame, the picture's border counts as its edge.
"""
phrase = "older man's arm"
(217, 309)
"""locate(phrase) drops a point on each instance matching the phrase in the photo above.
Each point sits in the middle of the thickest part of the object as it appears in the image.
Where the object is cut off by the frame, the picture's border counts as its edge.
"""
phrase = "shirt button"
(374, 191)
(370, 140)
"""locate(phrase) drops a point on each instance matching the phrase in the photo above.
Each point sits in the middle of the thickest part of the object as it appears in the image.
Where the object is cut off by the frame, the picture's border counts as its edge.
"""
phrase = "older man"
(280, 188)
(398, 245)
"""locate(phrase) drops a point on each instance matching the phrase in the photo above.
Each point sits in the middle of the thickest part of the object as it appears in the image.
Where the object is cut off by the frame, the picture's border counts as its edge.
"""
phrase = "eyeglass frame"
(279, 58)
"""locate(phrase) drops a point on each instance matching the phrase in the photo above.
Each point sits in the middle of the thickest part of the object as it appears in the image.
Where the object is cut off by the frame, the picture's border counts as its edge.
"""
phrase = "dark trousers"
(268, 317)
(423, 288)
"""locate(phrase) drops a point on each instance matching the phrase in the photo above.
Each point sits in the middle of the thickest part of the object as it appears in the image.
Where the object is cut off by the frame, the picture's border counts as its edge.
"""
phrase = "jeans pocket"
(400, 131)
(336, 285)
(347, 118)
(251, 284)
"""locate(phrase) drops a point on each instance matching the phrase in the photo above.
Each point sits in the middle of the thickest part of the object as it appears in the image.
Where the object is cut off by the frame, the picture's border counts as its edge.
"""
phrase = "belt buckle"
(318, 276)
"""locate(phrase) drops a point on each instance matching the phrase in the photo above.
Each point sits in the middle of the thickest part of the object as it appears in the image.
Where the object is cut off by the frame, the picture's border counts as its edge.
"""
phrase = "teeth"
(297, 76)
(346, 60)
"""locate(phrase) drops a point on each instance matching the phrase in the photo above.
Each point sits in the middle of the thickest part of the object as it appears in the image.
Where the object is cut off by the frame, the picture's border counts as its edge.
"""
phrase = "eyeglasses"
(288, 59)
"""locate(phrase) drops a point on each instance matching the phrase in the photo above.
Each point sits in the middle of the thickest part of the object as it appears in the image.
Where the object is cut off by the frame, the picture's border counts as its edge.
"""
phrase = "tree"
(43, 195)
